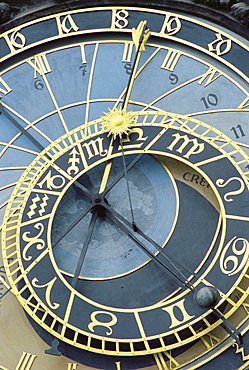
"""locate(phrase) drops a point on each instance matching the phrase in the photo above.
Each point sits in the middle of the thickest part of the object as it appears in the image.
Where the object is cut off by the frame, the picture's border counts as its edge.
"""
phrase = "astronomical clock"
(124, 207)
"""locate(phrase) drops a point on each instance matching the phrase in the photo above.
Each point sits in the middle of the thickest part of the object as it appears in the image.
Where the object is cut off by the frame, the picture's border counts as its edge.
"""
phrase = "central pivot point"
(97, 199)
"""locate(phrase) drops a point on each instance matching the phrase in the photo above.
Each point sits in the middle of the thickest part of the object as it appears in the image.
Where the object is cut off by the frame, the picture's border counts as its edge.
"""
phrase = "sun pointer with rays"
(117, 122)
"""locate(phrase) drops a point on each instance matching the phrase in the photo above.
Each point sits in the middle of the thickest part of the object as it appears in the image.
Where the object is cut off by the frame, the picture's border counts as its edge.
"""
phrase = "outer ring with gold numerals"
(37, 282)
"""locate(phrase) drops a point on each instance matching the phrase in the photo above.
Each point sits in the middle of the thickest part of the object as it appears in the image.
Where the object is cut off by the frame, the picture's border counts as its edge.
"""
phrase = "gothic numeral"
(15, 41)
(220, 46)
(119, 18)
(66, 24)
(173, 78)
(171, 25)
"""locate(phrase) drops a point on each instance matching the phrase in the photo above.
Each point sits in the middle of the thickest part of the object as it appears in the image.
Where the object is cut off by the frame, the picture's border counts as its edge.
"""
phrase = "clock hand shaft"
(105, 176)
(140, 36)
(74, 224)
(85, 246)
(151, 241)
(141, 246)
(21, 129)
(229, 327)
(130, 165)
(87, 192)
(131, 81)
(128, 188)
(38, 145)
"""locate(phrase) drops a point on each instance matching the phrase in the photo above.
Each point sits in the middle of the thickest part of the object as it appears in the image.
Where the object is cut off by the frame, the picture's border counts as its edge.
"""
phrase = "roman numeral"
(40, 65)
(210, 76)
(118, 365)
(4, 88)
(171, 60)
(26, 361)
(161, 363)
(127, 54)
(71, 366)
(83, 54)
(209, 340)
(244, 104)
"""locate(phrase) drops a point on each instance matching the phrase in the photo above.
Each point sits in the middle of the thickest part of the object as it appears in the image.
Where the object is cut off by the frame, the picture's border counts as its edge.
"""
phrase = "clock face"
(124, 190)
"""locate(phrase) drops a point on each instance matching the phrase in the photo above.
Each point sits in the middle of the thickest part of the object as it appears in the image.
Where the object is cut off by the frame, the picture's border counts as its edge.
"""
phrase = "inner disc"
(111, 252)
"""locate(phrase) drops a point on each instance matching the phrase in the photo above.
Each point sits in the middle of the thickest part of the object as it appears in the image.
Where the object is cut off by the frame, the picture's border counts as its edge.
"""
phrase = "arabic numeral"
(83, 70)
(128, 68)
(238, 131)
(211, 99)
(173, 78)
(38, 85)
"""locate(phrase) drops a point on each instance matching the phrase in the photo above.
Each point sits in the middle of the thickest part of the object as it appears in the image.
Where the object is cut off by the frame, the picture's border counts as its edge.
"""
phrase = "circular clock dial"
(124, 179)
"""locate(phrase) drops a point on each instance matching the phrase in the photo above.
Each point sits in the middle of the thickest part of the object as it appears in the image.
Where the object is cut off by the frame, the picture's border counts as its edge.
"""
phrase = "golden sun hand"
(117, 122)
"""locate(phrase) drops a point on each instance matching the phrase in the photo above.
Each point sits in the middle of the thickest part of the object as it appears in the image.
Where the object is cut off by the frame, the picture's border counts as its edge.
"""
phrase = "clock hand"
(105, 176)
(85, 246)
(122, 227)
(74, 224)
(128, 188)
(96, 198)
(152, 242)
(140, 36)
(21, 129)
(38, 145)
(119, 177)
